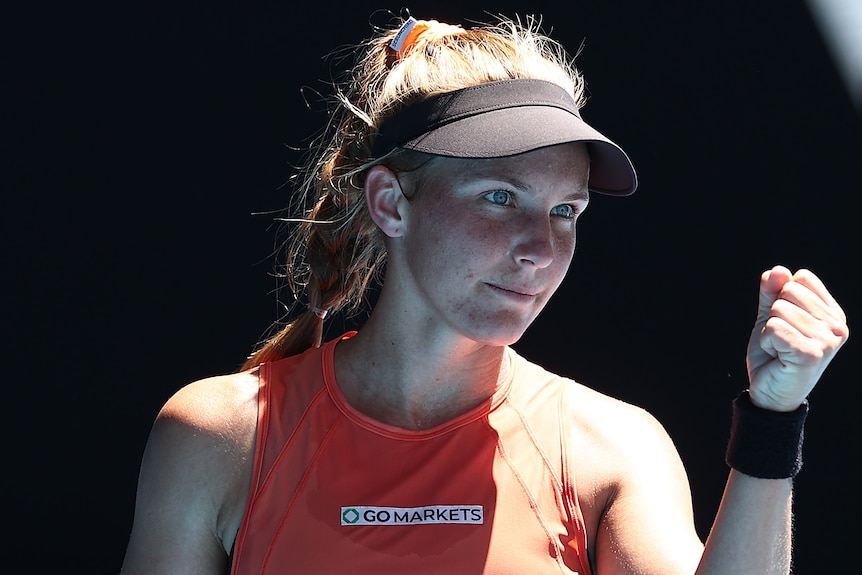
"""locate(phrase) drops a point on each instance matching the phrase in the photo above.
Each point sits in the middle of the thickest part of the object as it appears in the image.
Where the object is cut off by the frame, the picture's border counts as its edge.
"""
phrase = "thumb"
(771, 282)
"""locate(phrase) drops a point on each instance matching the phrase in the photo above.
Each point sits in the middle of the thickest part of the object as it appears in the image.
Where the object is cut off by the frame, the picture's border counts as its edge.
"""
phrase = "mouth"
(514, 292)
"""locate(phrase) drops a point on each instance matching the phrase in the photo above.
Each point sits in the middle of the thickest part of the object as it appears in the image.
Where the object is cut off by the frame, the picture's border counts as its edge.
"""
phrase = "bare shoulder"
(225, 404)
(210, 425)
(615, 423)
(622, 442)
(195, 476)
(632, 485)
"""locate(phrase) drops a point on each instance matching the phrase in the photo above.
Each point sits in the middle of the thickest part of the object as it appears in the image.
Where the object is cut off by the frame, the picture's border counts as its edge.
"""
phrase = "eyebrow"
(477, 168)
(575, 196)
(579, 196)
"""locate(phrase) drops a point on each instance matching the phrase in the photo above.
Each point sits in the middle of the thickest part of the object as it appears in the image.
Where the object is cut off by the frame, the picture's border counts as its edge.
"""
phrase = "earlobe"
(385, 199)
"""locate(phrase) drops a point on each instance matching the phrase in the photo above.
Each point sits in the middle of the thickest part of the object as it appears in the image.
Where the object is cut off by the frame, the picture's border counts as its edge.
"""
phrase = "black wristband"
(764, 443)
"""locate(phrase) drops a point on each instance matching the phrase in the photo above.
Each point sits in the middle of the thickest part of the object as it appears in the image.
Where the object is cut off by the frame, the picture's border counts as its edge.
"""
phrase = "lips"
(515, 291)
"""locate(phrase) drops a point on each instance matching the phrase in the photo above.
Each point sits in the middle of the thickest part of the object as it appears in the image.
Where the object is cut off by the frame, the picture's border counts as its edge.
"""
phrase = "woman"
(424, 443)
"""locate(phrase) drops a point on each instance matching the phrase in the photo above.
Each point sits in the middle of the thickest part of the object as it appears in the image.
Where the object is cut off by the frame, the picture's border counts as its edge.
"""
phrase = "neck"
(415, 380)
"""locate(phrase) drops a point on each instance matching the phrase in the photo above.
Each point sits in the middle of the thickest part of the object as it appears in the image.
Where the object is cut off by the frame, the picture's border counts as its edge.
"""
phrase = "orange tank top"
(334, 491)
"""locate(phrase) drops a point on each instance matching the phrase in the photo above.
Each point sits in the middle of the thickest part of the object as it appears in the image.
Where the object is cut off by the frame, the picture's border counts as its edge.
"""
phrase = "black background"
(140, 138)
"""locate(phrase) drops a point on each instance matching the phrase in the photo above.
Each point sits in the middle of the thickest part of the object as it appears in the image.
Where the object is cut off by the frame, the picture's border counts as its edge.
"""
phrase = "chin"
(497, 328)
(497, 337)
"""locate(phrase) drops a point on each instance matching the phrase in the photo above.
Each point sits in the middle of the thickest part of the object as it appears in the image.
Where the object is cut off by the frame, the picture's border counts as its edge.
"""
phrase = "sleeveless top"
(334, 491)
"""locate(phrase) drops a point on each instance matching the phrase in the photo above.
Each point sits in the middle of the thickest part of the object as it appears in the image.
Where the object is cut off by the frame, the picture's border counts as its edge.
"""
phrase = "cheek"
(564, 251)
(479, 244)
(566, 246)
(459, 235)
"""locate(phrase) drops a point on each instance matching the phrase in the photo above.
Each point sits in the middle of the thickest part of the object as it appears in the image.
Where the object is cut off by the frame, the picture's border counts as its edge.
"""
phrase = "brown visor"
(505, 118)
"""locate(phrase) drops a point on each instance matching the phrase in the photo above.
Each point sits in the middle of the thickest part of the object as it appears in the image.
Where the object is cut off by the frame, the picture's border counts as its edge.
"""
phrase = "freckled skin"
(482, 263)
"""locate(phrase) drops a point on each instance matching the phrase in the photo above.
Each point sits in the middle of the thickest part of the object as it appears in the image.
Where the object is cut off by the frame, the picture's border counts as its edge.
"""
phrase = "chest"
(485, 498)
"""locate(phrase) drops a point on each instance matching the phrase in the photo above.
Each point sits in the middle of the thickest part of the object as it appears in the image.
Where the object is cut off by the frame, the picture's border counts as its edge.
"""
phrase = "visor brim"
(512, 131)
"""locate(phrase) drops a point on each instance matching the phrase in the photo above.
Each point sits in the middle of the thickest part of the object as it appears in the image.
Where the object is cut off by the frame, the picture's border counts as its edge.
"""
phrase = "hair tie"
(406, 38)
(320, 313)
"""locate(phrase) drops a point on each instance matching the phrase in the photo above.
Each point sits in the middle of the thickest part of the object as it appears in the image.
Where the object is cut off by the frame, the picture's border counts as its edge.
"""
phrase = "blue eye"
(499, 197)
(564, 211)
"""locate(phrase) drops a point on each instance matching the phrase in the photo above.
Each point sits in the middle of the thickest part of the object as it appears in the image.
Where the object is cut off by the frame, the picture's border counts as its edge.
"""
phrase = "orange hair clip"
(407, 36)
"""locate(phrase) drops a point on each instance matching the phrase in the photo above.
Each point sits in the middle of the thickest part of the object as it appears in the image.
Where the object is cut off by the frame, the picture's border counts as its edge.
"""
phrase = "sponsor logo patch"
(427, 515)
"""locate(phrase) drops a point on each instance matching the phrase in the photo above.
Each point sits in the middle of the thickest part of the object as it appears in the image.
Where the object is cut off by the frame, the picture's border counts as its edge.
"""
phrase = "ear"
(385, 200)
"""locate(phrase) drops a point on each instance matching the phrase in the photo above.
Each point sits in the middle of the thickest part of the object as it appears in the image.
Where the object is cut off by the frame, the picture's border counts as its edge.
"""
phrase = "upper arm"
(647, 526)
(195, 470)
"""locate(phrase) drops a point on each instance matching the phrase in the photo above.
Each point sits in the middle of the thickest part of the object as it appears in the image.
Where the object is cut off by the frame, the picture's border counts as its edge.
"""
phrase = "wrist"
(769, 403)
(765, 443)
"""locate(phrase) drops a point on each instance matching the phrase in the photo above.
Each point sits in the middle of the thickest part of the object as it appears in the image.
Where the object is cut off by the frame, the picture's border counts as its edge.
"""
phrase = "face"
(488, 242)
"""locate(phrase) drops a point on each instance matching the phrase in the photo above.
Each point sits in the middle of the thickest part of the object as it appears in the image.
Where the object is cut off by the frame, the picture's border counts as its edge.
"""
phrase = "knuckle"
(813, 353)
(782, 306)
(837, 327)
(803, 273)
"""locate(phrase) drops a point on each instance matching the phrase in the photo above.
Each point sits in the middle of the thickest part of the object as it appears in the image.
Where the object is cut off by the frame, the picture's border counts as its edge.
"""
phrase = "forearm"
(752, 530)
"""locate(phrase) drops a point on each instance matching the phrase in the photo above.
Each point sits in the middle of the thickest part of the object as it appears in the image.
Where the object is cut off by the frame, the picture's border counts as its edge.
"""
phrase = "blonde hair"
(334, 249)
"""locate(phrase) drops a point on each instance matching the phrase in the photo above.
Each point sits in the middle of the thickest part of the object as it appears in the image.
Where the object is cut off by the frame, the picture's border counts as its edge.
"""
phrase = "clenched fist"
(798, 331)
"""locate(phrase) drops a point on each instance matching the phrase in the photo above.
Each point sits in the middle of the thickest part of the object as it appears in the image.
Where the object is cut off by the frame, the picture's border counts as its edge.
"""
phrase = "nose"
(533, 244)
